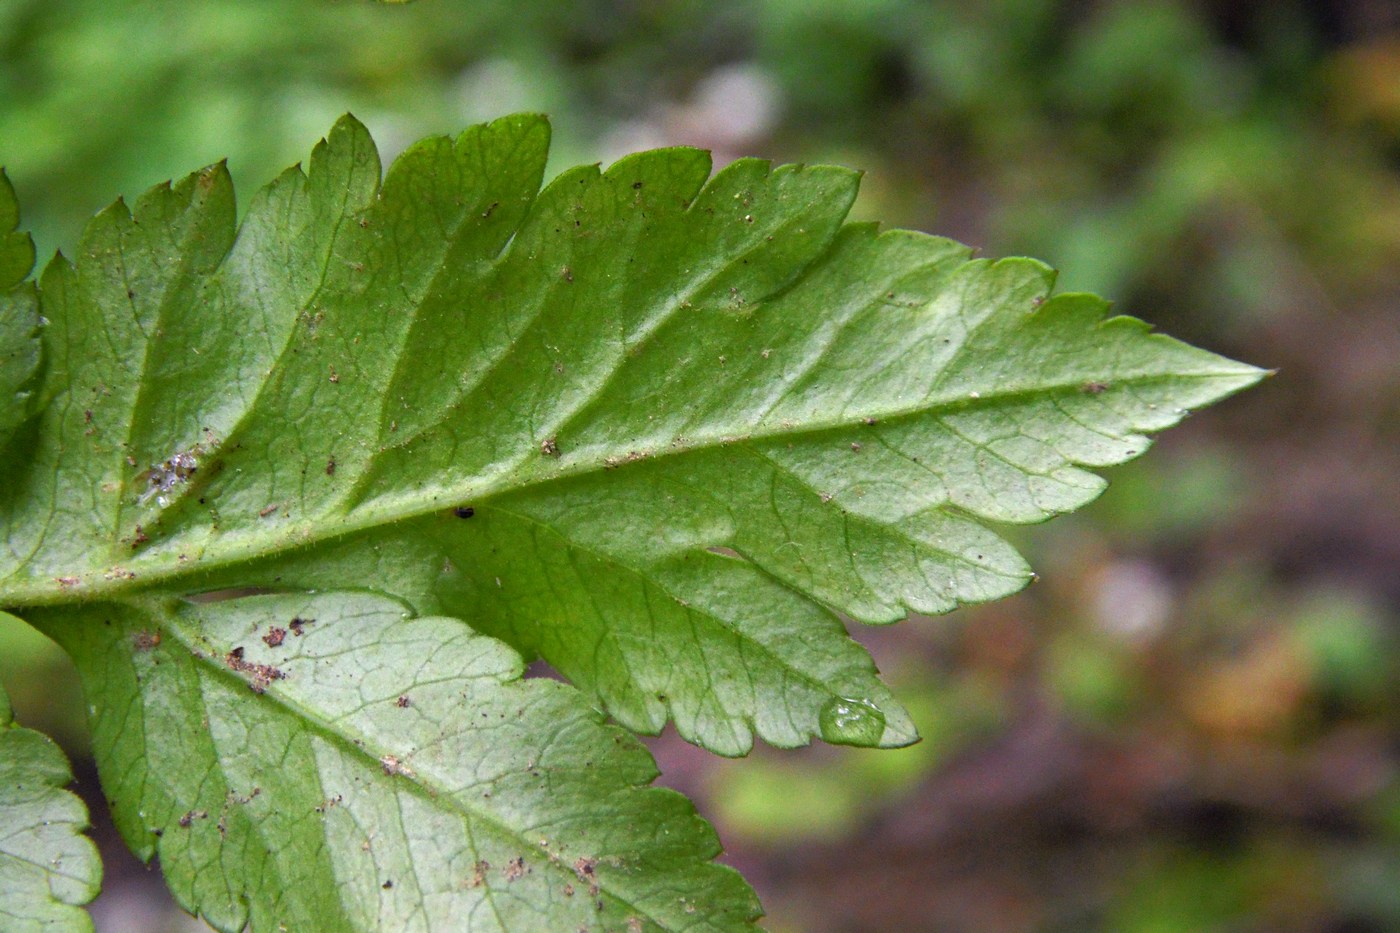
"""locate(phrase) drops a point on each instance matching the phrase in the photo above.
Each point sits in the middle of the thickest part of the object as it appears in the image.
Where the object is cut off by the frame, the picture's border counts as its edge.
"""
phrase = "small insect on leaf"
(170, 473)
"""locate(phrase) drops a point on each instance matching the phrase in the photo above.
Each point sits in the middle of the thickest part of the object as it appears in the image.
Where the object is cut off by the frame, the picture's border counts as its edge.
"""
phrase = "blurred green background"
(1193, 721)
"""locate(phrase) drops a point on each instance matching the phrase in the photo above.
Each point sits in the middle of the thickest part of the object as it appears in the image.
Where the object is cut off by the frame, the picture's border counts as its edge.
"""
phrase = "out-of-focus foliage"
(1193, 720)
(1102, 137)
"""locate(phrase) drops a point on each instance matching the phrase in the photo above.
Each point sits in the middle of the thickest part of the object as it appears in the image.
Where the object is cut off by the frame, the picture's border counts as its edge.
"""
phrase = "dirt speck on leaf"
(587, 871)
(394, 766)
(189, 818)
(260, 676)
(275, 636)
(240, 799)
(515, 869)
(403, 702)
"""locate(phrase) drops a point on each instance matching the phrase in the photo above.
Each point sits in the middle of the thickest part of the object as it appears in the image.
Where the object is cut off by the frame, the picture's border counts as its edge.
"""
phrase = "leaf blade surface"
(620, 375)
(329, 762)
(48, 868)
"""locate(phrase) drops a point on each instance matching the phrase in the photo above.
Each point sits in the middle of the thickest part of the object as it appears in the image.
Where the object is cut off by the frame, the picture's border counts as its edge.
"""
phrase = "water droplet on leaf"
(845, 721)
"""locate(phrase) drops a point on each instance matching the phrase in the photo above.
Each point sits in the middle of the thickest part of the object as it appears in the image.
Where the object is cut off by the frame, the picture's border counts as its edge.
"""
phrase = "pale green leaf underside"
(330, 763)
(48, 868)
(692, 416)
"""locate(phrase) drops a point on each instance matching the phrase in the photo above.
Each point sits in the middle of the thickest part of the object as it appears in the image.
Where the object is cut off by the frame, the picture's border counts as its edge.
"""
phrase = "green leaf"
(19, 316)
(48, 868)
(656, 427)
(329, 762)
(619, 376)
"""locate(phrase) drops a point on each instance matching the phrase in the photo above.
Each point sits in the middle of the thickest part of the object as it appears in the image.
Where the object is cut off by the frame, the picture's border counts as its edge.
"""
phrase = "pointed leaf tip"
(621, 373)
(659, 426)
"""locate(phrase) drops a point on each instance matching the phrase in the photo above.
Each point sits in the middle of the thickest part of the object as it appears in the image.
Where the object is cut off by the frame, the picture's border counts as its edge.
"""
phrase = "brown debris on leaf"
(260, 676)
(587, 871)
(393, 766)
(189, 818)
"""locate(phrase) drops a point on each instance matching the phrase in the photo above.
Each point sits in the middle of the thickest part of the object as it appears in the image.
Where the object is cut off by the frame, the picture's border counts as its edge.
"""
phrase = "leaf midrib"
(358, 744)
(250, 548)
